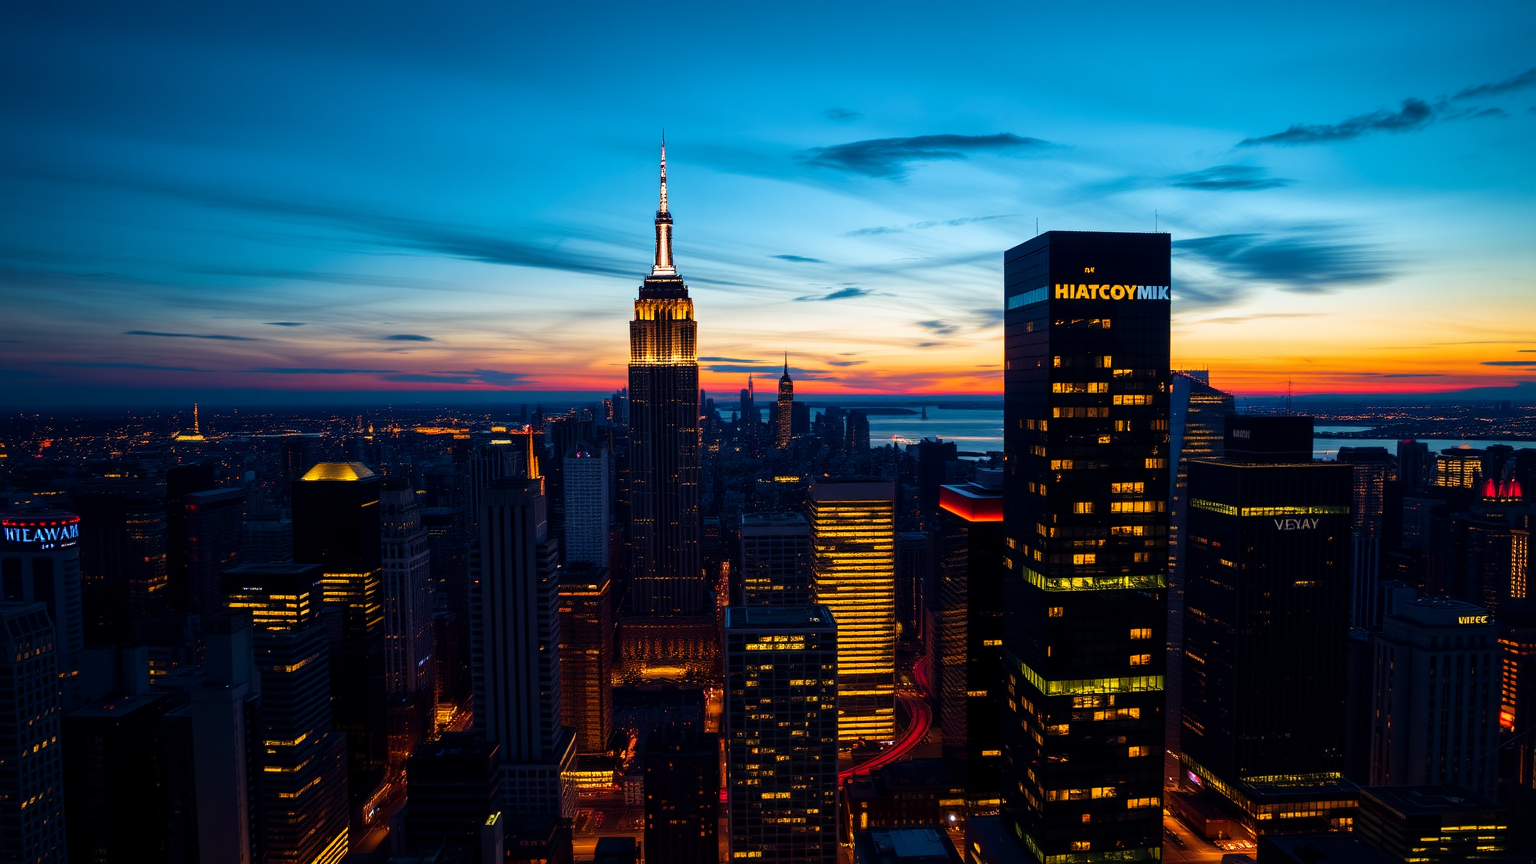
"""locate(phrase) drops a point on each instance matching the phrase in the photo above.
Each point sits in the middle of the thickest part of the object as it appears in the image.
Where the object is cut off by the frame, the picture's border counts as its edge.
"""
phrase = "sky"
(296, 201)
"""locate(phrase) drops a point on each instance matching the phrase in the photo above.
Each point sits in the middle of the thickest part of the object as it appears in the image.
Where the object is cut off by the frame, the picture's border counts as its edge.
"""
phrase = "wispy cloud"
(1509, 363)
(1240, 319)
(218, 336)
(148, 366)
(489, 377)
(284, 323)
(290, 370)
(798, 259)
(941, 328)
(921, 226)
(1516, 82)
(1306, 262)
(726, 360)
(929, 344)
(846, 362)
(839, 294)
(1229, 178)
(1413, 115)
(408, 337)
(1411, 375)
(889, 158)
(841, 115)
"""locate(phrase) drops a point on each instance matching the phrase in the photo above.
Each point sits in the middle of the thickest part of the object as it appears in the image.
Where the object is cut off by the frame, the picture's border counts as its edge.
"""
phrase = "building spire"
(196, 428)
(663, 265)
(786, 364)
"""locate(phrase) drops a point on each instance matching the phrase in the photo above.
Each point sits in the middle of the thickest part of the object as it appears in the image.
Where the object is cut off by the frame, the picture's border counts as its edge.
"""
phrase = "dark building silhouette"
(682, 795)
(937, 462)
(337, 524)
(114, 780)
(1374, 468)
(212, 523)
(1086, 439)
(1267, 618)
(858, 431)
(666, 573)
(122, 556)
(29, 747)
(181, 481)
(455, 787)
(775, 560)
(40, 562)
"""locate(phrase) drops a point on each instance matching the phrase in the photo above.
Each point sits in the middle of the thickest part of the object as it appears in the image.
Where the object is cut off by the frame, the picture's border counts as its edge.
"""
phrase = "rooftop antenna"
(1154, 222)
(1288, 394)
(1037, 226)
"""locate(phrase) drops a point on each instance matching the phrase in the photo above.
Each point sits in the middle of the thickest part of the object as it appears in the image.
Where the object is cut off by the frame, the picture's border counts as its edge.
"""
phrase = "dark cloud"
(1518, 82)
(1239, 319)
(929, 344)
(1489, 113)
(1415, 114)
(839, 294)
(461, 376)
(798, 259)
(289, 370)
(841, 115)
(878, 229)
(408, 337)
(148, 366)
(284, 323)
(942, 328)
(890, 157)
(846, 362)
(290, 275)
(1414, 375)
(1307, 262)
(219, 336)
(1509, 363)
(750, 369)
(492, 376)
(726, 360)
(1229, 178)
(919, 226)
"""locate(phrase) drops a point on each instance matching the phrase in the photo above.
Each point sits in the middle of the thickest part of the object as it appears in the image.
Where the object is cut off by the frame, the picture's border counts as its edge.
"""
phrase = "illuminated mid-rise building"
(337, 523)
(781, 730)
(32, 782)
(303, 787)
(775, 560)
(40, 563)
(853, 559)
(666, 572)
(1459, 468)
(1266, 621)
(586, 654)
(972, 688)
(1085, 516)
(784, 419)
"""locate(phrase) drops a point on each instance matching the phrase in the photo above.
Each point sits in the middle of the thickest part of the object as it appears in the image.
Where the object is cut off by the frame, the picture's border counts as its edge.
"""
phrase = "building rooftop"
(1440, 800)
(906, 844)
(772, 520)
(116, 707)
(1321, 849)
(338, 471)
(750, 617)
(1440, 612)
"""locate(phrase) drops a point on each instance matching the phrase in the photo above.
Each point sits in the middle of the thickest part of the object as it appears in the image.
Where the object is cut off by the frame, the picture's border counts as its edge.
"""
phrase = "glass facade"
(1085, 516)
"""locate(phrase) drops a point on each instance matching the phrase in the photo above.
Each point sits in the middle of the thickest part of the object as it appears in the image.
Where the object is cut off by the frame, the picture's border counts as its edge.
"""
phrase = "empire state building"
(666, 572)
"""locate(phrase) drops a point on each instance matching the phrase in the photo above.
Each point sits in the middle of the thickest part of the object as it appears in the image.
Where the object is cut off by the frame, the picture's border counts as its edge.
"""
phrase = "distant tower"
(666, 573)
(786, 408)
(750, 416)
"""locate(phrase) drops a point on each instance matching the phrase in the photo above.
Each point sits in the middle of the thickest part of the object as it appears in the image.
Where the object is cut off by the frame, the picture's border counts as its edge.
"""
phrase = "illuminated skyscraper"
(784, 419)
(666, 573)
(853, 549)
(337, 524)
(1086, 523)
(587, 506)
(781, 728)
(586, 654)
(408, 663)
(775, 560)
(1373, 469)
(304, 778)
(40, 562)
(32, 782)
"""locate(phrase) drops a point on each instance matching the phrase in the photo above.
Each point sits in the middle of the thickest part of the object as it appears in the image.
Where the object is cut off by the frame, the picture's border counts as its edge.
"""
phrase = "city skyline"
(407, 213)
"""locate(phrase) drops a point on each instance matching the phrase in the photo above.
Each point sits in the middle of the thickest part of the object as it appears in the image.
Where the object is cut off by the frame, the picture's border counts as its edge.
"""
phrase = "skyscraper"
(775, 560)
(666, 573)
(113, 779)
(853, 549)
(971, 684)
(40, 562)
(1267, 619)
(1373, 469)
(784, 420)
(587, 504)
(515, 639)
(408, 663)
(781, 733)
(586, 654)
(337, 524)
(212, 522)
(1086, 436)
(682, 795)
(32, 784)
(304, 771)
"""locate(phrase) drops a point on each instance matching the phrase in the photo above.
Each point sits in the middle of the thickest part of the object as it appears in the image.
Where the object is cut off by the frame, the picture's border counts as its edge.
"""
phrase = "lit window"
(1082, 507)
(1141, 633)
(1141, 659)
(1139, 750)
(1085, 558)
(1056, 612)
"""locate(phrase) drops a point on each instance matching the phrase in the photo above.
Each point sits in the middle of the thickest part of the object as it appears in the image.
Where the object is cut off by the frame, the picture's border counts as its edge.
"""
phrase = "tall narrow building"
(775, 560)
(853, 548)
(32, 782)
(1085, 517)
(784, 419)
(40, 563)
(408, 663)
(666, 574)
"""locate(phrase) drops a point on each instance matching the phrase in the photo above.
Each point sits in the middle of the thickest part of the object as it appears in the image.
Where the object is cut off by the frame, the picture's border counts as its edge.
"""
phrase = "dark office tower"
(666, 575)
(122, 557)
(587, 504)
(682, 795)
(775, 560)
(937, 462)
(1267, 608)
(509, 456)
(337, 524)
(1414, 467)
(181, 481)
(586, 655)
(1085, 516)
(853, 564)
(971, 684)
(31, 784)
(515, 639)
(1435, 717)
(221, 737)
(834, 423)
(213, 522)
(1517, 712)
(266, 538)
(781, 734)
(407, 592)
(1373, 469)
(785, 419)
(114, 779)
(858, 431)
(40, 563)
(1196, 420)
(914, 554)
(303, 797)
(799, 419)
(751, 417)
(455, 785)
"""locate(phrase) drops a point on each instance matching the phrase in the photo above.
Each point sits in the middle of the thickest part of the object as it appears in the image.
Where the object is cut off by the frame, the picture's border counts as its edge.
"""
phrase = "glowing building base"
(669, 649)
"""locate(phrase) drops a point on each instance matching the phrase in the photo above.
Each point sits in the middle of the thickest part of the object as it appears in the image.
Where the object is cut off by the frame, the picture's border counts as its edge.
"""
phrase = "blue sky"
(203, 201)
